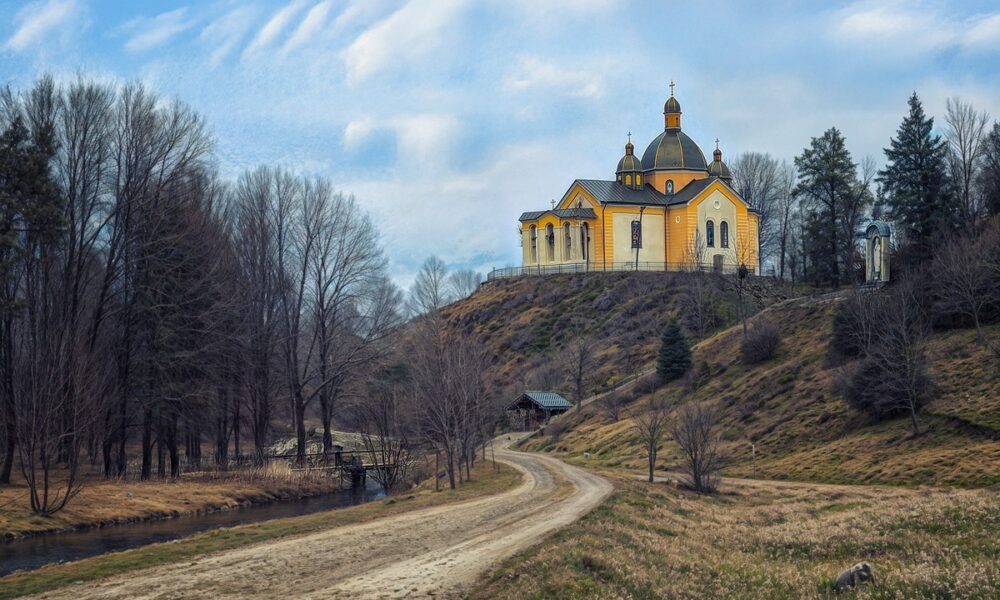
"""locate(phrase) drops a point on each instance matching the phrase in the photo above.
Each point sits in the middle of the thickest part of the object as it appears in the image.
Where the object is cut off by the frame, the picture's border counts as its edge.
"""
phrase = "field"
(485, 482)
(102, 502)
(802, 429)
(766, 540)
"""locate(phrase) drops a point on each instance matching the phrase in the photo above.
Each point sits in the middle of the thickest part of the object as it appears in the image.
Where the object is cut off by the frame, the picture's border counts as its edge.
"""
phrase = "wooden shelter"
(534, 408)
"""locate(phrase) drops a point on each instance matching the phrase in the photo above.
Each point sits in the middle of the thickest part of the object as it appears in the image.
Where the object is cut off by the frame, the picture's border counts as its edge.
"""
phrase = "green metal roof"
(547, 399)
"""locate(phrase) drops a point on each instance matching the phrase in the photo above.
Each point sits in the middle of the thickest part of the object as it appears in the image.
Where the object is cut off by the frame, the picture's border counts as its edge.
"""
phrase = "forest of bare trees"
(148, 306)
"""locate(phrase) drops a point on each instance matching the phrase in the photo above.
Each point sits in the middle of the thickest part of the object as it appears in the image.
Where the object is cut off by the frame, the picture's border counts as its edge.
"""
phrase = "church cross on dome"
(716, 143)
(672, 88)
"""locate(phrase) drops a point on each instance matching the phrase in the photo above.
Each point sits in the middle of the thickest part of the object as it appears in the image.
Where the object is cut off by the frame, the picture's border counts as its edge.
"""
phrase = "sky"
(448, 118)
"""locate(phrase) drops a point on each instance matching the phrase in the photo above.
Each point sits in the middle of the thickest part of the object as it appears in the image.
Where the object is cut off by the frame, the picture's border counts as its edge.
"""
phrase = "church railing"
(615, 267)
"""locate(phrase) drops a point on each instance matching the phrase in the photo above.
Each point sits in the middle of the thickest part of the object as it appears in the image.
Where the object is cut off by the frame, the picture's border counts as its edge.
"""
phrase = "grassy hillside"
(526, 321)
(802, 429)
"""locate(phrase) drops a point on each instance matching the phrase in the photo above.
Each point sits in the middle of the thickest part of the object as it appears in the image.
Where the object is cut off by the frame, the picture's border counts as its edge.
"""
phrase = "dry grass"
(107, 502)
(765, 540)
(485, 482)
(803, 430)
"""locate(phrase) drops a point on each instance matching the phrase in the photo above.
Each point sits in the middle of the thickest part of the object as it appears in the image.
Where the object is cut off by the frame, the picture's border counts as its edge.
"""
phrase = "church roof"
(880, 227)
(562, 213)
(673, 149)
(611, 192)
(629, 163)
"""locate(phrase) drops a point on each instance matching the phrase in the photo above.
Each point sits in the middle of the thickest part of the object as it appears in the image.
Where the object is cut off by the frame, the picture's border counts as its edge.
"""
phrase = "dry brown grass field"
(802, 429)
(767, 541)
(105, 502)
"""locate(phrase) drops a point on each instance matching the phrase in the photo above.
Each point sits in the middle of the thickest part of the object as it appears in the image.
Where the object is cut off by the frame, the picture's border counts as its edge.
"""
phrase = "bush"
(674, 359)
(868, 387)
(761, 342)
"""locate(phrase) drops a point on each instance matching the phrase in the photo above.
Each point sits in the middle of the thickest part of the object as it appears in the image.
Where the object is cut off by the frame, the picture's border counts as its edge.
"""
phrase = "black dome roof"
(672, 105)
(629, 163)
(673, 149)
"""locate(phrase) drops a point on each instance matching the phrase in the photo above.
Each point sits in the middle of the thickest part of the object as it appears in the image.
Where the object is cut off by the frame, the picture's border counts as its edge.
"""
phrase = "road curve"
(435, 551)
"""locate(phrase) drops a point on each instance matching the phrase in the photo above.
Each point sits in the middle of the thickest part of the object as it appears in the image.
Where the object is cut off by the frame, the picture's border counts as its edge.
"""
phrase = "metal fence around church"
(611, 267)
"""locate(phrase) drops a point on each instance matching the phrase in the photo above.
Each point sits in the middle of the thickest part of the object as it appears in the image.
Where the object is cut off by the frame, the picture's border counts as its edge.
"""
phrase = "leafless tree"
(387, 426)
(965, 130)
(695, 432)
(611, 404)
(963, 277)
(431, 289)
(579, 358)
(651, 426)
(785, 203)
(463, 283)
(757, 178)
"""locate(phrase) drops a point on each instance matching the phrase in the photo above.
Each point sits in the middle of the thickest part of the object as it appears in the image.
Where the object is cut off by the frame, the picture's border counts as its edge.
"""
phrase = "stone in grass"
(851, 578)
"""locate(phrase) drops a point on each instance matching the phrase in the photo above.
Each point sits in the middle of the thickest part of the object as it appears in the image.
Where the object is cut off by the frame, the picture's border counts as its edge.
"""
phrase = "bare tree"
(431, 288)
(387, 426)
(965, 130)
(757, 178)
(579, 361)
(611, 405)
(463, 283)
(784, 215)
(651, 426)
(695, 432)
(964, 281)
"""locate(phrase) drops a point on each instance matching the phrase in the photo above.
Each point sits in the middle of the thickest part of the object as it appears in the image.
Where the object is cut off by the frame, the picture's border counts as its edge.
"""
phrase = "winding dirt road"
(435, 551)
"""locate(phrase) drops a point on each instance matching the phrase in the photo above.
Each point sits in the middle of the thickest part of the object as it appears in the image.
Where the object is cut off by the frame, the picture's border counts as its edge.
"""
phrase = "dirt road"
(434, 551)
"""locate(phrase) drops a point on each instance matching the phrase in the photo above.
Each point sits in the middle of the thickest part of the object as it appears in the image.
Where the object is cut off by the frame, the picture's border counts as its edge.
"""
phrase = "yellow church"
(670, 210)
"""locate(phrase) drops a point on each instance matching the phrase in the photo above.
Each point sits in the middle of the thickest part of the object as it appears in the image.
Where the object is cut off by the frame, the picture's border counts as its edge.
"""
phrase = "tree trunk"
(300, 428)
(147, 444)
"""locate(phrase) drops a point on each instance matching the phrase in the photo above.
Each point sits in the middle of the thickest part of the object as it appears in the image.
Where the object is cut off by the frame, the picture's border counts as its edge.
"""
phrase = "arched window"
(670, 187)
(638, 180)
(568, 247)
(534, 244)
(724, 234)
(628, 180)
(550, 243)
(710, 234)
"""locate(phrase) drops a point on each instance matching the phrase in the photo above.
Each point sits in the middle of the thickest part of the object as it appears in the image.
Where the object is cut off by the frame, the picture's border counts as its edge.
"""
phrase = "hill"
(787, 406)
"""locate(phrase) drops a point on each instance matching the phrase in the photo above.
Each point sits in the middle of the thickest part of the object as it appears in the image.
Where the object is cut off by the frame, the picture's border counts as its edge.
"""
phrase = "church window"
(568, 251)
(534, 244)
(628, 180)
(670, 187)
(550, 243)
(619, 179)
(710, 234)
(638, 179)
(724, 234)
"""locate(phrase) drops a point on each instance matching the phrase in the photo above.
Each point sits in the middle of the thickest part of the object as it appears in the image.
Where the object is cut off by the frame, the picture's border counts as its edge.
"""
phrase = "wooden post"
(437, 469)
(753, 458)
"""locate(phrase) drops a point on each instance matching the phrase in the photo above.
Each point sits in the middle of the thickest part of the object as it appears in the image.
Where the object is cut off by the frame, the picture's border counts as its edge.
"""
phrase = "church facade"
(669, 209)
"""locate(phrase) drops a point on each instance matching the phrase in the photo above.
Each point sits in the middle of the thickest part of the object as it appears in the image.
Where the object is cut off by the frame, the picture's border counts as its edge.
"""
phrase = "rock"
(129, 495)
(586, 456)
(858, 574)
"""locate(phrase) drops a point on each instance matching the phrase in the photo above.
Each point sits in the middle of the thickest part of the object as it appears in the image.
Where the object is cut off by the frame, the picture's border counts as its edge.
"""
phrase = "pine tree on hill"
(916, 184)
(674, 359)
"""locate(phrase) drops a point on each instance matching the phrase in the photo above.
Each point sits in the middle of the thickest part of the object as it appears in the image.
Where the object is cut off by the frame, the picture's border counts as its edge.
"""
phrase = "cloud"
(310, 25)
(224, 33)
(531, 73)
(911, 29)
(424, 142)
(38, 20)
(358, 130)
(274, 26)
(405, 36)
(151, 32)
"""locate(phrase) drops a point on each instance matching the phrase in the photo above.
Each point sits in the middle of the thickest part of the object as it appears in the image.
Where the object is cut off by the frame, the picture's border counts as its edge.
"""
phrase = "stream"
(37, 551)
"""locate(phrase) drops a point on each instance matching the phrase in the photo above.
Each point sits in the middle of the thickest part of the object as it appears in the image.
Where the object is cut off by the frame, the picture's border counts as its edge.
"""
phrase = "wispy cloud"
(912, 29)
(224, 33)
(532, 73)
(310, 25)
(146, 32)
(39, 20)
(405, 36)
(274, 26)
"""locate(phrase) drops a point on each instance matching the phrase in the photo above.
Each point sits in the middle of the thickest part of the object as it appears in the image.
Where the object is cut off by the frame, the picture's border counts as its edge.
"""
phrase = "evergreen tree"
(989, 176)
(674, 359)
(915, 182)
(827, 184)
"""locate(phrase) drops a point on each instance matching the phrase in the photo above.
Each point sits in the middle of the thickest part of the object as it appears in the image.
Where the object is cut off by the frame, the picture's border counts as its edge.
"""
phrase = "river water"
(37, 551)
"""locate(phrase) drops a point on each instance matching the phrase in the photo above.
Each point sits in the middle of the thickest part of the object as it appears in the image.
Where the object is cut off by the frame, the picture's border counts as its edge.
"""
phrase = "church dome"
(719, 168)
(671, 106)
(630, 162)
(673, 149)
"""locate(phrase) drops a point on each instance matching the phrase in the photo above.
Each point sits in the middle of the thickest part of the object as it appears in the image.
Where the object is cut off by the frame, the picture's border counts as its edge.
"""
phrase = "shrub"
(674, 358)
(761, 342)
(869, 387)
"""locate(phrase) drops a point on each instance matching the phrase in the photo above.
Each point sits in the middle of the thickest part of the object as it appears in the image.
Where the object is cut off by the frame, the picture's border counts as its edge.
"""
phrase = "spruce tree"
(915, 182)
(674, 359)
(989, 176)
(827, 184)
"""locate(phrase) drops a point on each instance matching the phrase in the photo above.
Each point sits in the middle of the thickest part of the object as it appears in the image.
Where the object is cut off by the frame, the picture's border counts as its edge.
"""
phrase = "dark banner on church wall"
(636, 234)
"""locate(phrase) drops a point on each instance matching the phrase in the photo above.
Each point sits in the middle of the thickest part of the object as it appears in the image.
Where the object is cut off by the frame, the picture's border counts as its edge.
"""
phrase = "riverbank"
(486, 482)
(106, 503)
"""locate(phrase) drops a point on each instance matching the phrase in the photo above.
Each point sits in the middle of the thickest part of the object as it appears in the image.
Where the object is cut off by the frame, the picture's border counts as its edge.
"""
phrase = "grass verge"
(485, 482)
(764, 540)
